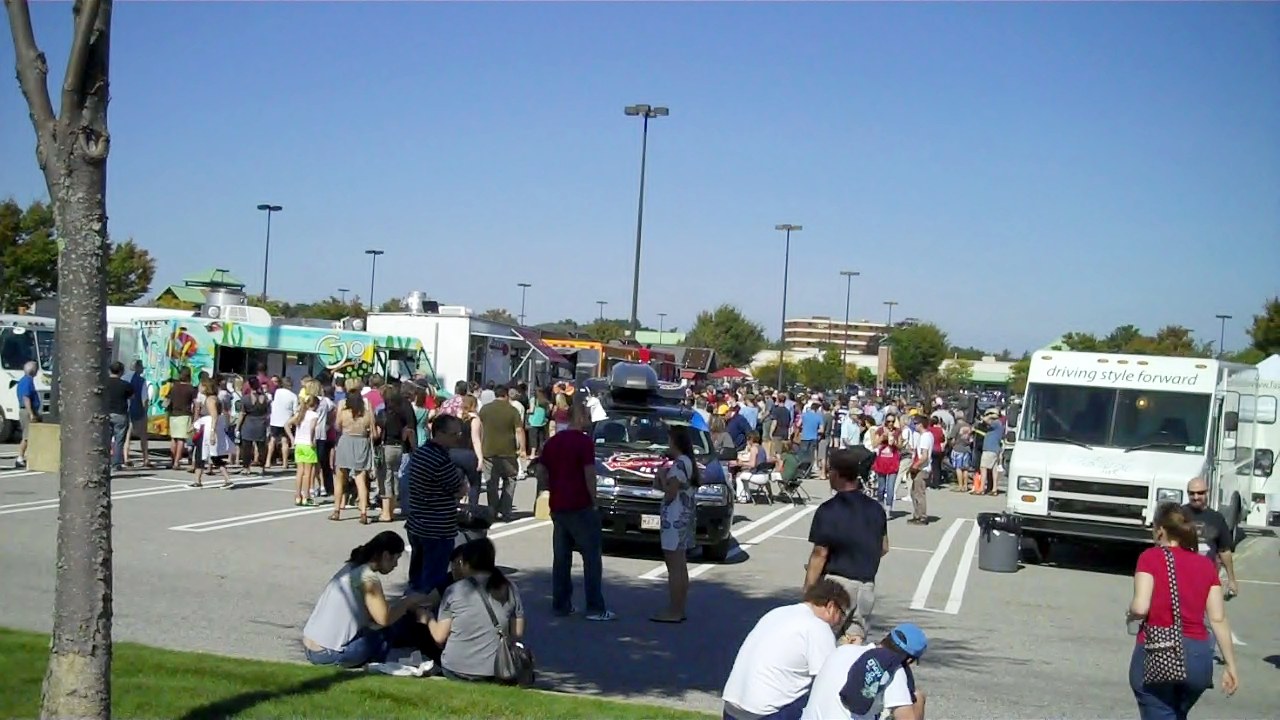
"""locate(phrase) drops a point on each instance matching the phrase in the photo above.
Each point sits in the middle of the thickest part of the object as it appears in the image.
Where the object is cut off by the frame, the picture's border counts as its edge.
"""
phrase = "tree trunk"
(71, 150)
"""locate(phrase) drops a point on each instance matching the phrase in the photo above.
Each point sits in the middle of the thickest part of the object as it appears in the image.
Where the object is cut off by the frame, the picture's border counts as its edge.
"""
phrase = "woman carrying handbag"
(1174, 588)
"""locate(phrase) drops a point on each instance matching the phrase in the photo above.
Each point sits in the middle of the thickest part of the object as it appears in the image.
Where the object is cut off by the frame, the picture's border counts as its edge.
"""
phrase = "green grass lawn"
(152, 683)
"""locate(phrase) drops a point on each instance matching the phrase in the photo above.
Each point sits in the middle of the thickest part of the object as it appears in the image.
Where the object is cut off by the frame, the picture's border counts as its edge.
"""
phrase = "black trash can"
(1000, 545)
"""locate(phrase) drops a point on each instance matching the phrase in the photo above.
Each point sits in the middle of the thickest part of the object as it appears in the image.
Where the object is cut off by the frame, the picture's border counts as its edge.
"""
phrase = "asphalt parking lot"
(236, 572)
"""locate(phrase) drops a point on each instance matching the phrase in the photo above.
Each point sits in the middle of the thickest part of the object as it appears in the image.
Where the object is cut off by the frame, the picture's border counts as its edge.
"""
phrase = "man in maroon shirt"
(569, 457)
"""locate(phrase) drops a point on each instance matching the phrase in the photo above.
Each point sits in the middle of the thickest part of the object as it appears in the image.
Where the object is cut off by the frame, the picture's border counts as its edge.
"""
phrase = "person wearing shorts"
(303, 426)
(181, 405)
(215, 447)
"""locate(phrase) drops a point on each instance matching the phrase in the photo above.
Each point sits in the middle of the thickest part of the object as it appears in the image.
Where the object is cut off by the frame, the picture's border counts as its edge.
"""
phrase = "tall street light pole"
(645, 112)
(662, 324)
(344, 292)
(787, 228)
(849, 275)
(524, 287)
(373, 273)
(601, 303)
(889, 325)
(266, 258)
(1222, 334)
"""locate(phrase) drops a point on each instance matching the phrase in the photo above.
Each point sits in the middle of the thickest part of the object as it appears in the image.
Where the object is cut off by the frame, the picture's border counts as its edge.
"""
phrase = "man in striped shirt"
(435, 486)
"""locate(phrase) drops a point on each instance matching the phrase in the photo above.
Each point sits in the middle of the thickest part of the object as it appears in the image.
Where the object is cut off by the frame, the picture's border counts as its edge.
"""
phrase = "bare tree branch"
(73, 84)
(33, 73)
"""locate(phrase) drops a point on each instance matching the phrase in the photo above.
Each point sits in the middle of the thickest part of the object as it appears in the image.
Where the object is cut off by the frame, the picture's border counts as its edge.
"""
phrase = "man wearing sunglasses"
(1216, 540)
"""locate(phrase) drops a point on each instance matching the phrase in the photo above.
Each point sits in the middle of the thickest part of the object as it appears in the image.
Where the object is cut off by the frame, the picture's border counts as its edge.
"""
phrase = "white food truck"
(23, 338)
(1256, 460)
(1104, 438)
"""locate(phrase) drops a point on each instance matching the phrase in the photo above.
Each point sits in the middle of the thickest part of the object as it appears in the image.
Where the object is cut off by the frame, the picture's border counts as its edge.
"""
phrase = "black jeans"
(323, 448)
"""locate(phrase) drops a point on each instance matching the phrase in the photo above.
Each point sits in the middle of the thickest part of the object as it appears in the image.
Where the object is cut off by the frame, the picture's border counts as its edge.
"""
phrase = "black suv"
(630, 447)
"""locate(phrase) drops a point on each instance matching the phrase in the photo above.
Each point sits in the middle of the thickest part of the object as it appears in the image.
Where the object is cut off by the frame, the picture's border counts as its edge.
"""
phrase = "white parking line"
(1257, 582)
(18, 474)
(962, 573)
(251, 519)
(661, 570)
(743, 543)
(115, 497)
(517, 531)
(931, 570)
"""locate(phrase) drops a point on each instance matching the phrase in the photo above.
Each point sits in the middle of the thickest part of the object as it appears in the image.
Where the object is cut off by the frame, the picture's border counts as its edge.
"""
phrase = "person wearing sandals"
(214, 446)
(302, 430)
(355, 451)
(678, 482)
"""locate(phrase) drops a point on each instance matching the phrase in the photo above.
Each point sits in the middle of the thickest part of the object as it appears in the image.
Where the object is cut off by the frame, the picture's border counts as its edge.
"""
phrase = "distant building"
(857, 337)
(193, 287)
(653, 337)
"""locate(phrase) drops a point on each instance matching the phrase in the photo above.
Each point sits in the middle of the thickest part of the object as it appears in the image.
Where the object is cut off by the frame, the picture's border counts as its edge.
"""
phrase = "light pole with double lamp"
(373, 273)
(662, 322)
(601, 303)
(1222, 334)
(787, 228)
(849, 275)
(646, 112)
(266, 258)
(344, 292)
(889, 325)
(524, 287)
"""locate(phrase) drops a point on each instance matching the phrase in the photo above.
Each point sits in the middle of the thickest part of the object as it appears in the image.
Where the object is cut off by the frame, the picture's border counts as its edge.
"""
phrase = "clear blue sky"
(1051, 167)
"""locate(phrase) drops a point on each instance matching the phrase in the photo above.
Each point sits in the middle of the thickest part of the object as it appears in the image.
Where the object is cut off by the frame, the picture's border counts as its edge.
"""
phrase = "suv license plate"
(650, 522)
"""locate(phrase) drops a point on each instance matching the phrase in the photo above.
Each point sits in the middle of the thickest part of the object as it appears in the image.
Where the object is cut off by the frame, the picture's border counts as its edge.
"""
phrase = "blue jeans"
(119, 427)
(885, 486)
(429, 566)
(579, 531)
(1172, 702)
(791, 711)
(369, 646)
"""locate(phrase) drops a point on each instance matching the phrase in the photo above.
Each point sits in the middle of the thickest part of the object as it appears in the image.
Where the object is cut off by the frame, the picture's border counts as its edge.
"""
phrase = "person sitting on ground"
(463, 624)
(783, 653)
(353, 623)
(862, 681)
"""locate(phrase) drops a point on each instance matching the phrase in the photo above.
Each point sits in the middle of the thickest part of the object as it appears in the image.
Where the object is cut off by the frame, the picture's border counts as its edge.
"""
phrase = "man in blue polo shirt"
(810, 429)
(28, 407)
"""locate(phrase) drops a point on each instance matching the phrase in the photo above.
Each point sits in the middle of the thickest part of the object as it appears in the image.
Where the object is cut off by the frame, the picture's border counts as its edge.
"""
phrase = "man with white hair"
(28, 407)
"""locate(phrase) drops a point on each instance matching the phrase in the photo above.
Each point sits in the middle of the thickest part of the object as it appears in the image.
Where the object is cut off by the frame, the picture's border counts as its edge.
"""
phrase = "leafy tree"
(1265, 331)
(28, 254)
(864, 377)
(499, 315)
(130, 270)
(955, 374)
(767, 374)
(1172, 340)
(392, 305)
(917, 350)
(825, 371)
(71, 149)
(1082, 342)
(277, 308)
(1018, 374)
(1124, 336)
(1248, 356)
(173, 303)
(967, 353)
(607, 331)
(332, 308)
(727, 331)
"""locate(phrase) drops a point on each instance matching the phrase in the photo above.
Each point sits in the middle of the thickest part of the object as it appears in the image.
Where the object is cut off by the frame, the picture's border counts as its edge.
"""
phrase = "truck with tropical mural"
(225, 347)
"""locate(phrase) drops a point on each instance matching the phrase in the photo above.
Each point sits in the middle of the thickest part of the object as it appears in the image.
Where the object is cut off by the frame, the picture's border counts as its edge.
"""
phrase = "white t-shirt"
(779, 659)
(305, 434)
(215, 440)
(824, 699)
(283, 406)
(924, 444)
(597, 410)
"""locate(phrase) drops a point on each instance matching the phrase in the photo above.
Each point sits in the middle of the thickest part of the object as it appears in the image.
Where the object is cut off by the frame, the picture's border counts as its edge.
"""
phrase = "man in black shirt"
(117, 393)
(849, 534)
(781, 417)
(1216, 541)
(435, 486)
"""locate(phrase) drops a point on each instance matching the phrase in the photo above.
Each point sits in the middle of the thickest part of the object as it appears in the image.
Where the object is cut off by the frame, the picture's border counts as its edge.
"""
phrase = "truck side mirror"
(1264, 462)
(1231, 421)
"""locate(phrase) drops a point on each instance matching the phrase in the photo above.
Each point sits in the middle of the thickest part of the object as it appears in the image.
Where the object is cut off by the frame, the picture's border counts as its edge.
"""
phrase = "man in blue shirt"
(749, 412)
(810, 428)
(28, 407)
(138, 415)
(991, 444)
(738, 427)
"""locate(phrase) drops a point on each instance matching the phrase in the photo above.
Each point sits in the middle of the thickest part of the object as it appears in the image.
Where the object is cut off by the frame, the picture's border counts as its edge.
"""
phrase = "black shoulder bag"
(1166, 661)
(513, 665)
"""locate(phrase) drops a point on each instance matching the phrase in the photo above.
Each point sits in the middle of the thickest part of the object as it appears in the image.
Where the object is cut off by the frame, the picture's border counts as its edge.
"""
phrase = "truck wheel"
(1041, 549)
(718, 552)
(8, 431)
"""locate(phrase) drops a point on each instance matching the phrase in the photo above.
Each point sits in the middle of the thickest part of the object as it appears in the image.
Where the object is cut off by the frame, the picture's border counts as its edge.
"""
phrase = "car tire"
(8, 431)
(719, 552)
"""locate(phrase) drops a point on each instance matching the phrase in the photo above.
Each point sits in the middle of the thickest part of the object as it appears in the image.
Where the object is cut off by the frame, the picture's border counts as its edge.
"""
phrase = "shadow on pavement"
(243, 702)
(1104, 558)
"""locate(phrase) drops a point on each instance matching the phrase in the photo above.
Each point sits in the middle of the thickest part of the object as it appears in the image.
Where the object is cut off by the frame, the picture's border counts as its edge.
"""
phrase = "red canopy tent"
(729, 373)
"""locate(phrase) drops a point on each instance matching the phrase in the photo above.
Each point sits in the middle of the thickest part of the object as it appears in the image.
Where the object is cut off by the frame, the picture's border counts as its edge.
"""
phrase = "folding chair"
(793, 488)
(756, 479)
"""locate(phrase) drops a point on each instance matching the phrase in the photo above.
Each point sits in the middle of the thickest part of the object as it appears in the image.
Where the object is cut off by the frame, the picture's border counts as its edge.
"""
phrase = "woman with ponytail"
(1175, 587)
(353, 623)
(462, 625)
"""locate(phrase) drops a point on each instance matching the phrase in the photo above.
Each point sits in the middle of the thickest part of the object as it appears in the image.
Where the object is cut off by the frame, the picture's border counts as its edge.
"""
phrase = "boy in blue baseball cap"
(857, 680)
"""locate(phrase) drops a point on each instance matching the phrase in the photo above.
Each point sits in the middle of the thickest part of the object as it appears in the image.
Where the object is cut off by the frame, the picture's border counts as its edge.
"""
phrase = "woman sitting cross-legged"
(353, 623)
(463, 625)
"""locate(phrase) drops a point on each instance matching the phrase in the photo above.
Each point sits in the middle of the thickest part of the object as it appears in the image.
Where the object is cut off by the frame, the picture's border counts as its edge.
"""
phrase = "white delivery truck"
(1105, 438)
(23, 338)
(1256, 460)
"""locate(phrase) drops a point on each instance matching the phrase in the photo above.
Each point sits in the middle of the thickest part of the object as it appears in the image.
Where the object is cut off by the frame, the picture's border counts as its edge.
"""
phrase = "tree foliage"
(727, 331)
(1171, 340)
(606, 330)
(1018, 374)
(29, 260)
(331, 308)
(1265, 331)
(392, 305)
(955, 374)
(499, 315)
(864, 377)
(967, 353)
(767, 374)
(917, 350)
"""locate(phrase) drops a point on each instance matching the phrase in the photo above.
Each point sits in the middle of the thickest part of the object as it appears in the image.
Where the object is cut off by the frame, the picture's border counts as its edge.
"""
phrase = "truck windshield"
(18, 346)
(1156, 420)
(646, 432)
